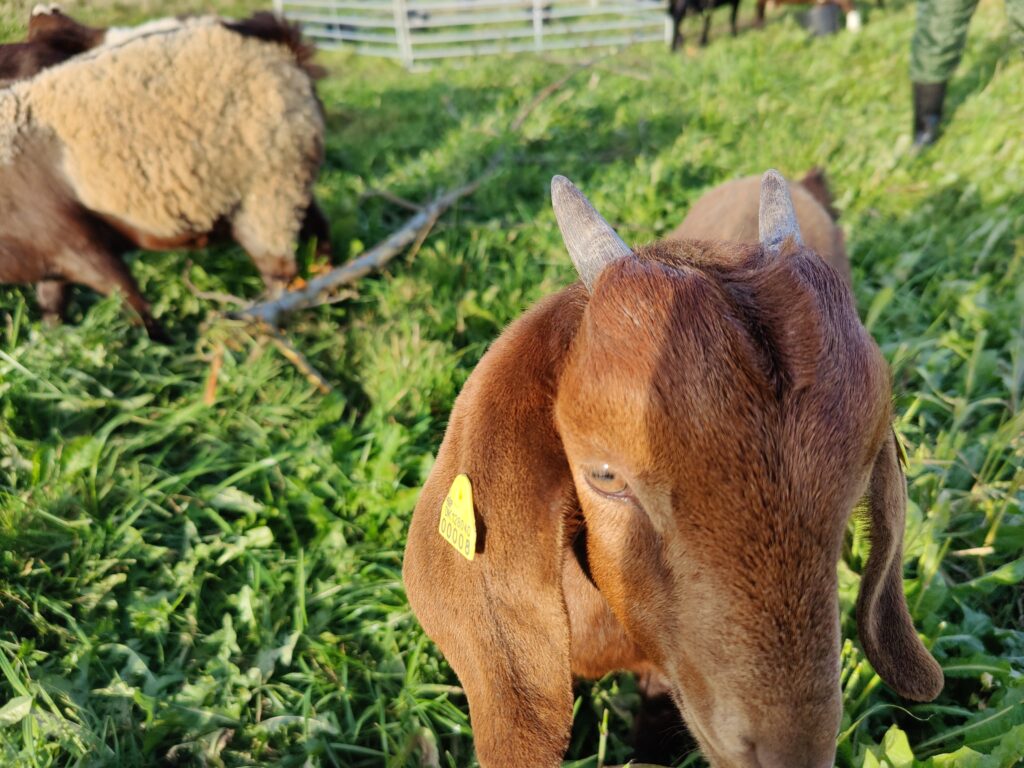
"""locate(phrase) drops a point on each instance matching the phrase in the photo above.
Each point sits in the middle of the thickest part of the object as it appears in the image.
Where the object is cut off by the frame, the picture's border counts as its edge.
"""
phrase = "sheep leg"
(268, 230)
(732, 18)
(707, 27)
(761, 5)
(104, 272)
(52, 297)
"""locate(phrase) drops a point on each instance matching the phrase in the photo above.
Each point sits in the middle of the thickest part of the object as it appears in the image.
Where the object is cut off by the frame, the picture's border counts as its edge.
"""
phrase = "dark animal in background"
(229, 141)
(678, 9)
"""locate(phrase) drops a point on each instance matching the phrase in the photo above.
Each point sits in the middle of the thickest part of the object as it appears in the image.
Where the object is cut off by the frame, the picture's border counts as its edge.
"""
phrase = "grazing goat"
(730, 211)
(164, 141)
(678, 9)
(661, 462)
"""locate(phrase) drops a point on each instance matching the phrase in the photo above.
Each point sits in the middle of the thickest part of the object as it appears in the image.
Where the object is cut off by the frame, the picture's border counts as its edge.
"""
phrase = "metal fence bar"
(550, 31)
(402, 31)
(356, 37)
(538, 25)
(425, 30)
(347, 21)
(384, 6)
(471, 19)
(482, 50)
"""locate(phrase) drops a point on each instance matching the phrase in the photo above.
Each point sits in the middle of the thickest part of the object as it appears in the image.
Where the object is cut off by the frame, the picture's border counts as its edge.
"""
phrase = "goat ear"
(590, 240)
(883, 621)
(776, 218)
(500, 618)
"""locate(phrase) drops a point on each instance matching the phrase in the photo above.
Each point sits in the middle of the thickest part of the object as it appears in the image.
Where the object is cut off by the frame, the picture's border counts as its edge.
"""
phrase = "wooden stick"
(220, 298)
(391, 197)
(210, 391)
(299, 360)
(414, 231)
(270, 312)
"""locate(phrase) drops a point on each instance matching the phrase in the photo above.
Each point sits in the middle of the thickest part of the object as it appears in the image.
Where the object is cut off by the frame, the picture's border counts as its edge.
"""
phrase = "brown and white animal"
(729, 212)
(164, 141)
(52, 38)
(663, 458)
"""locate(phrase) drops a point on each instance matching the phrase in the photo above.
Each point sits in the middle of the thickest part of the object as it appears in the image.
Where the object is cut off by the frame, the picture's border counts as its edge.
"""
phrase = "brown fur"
(48, 238)
(21, 60)
(749, 410)
(52, 38)
(271, 28)
(815, 182)
(729, 212)
(59, 28)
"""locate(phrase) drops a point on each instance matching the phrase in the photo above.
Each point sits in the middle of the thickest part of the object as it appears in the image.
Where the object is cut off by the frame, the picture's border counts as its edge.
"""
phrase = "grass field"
(219, 585)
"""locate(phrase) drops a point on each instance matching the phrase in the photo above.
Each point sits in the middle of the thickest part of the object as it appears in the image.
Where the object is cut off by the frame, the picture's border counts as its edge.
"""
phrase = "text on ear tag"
(458, 526)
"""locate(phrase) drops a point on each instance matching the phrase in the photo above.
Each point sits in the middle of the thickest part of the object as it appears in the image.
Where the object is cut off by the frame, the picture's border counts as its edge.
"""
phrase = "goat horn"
(776, 219)
(590, 240)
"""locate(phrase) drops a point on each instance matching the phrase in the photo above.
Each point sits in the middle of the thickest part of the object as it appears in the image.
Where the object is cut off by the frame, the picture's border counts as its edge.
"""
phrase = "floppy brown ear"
(500, 619)
(883, 621)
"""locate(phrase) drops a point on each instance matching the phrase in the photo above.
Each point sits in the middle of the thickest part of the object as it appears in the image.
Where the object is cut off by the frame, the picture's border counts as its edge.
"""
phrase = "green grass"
(220, 585)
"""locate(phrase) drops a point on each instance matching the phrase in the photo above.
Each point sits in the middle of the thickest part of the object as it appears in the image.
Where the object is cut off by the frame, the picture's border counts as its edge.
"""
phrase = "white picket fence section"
(422, 30)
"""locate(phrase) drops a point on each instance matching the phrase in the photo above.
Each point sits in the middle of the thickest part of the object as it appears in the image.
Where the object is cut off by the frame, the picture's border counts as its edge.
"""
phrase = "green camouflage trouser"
(941, 34)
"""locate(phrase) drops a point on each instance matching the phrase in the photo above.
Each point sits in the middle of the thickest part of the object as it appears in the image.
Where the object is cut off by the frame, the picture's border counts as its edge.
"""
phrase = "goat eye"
(603, 480)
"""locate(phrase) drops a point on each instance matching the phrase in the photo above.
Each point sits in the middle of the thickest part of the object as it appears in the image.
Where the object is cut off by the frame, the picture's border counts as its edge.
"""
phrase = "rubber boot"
(928, 98)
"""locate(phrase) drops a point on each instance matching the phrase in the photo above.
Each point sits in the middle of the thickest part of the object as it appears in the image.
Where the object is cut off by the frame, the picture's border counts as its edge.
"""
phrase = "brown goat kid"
(663, 458)
(730, 211)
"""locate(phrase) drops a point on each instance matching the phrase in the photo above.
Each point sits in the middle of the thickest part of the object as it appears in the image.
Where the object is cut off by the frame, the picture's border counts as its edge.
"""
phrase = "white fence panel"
(424, 30)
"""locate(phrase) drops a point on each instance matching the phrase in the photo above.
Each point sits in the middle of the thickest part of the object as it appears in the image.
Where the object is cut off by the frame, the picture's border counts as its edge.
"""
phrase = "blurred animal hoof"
(157, 332)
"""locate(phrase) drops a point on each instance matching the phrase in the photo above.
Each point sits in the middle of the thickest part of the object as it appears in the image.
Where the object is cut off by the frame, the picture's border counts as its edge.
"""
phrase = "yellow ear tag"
(458, 526)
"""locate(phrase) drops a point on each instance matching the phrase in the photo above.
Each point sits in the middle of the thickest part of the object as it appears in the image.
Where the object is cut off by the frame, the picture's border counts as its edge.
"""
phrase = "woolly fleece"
(172, 132)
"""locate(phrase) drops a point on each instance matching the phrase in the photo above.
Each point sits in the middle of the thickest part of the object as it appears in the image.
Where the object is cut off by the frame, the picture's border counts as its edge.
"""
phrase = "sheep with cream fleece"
(161, 142)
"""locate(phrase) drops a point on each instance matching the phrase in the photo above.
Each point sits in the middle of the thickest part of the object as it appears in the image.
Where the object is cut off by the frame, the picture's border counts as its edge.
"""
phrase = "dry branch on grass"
(413, 232)
(312, 293)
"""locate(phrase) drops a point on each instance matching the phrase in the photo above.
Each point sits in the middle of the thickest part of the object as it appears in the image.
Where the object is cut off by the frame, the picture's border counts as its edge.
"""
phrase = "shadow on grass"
(970, 80)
